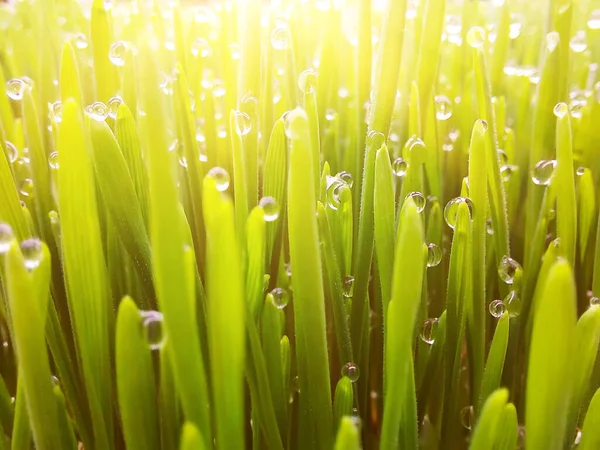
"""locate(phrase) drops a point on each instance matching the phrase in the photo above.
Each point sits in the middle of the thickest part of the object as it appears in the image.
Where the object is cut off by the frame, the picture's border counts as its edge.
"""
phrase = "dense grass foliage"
(303, 224)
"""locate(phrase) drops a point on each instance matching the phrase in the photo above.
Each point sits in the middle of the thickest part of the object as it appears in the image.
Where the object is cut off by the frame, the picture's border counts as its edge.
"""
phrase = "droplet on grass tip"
(476, 37)
(97, 111)
(55, 111)
(336, 192)
(243, 123)
(291, 129)
(467, 417)
(201, 47)
(497, 308)
(507, 269)
(592, 299)
(451, 210)
(351, 371)
(80, 41)
(542, 172)
(453, 24)
(117, 52)
(346, 177)
(594, 20)
(419, 200)
(428, 330)
(515, 27)
(507, 171)
(307, 81)
(53, 160)
(578, 43)
(15, 88)
(434, 255)
(399, 167)
(580, 171)
(26, 187)
(443, 107)
(348, 286)
(11, 152)
(152, 324)
(6, 237)
(270, 208)
(561, 110)
(113, 106)
(280, 297)
(279, 38)
(221, 178)
(552, 41)
(482, 125)
(33, 253)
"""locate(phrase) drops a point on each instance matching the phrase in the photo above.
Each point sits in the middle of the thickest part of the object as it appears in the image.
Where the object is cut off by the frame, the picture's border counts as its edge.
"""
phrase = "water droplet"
(375, 139)
(580, 171)
(476, 37)
(243, 123)
(489, 225)
(428, 330)
(503, 157)
(270, 208)
(26, 187)
(113, 106)
(414, 150)
(33, 253)
(336, 192)
(594, 20)
(521, 437)
(578, 43)
(152, 323)
(399, 167)
(542, 172)
(497, 308)
(6, 237)
(53, 217)
(560, 110)
(453, 24)
(330, 114)
(221, 178)
(578, 436)
(348, 286)
(482, 125)
(97, 111)
(552, 41)
(53, 160)
(279, 38)
(54, 380)
(443, 107)
(11, 152)
(201, 47)
(296, 384)
(15, 88)
(236, 50)
(351, 371)
(55, 110)
(434, 255)
(280, 297)
(467, 417)
(419, 200)
(507, 171)
(515, 27)
(218, 88)
(507, 269)
(307, 81)
(346, 177)
(451, 210)
(80, 41)
(117, 52)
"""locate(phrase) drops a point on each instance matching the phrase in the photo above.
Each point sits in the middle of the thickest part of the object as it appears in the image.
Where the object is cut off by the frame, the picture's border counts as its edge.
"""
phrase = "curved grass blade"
(255, 255)
(486, 432)
(239, 179)
(104, 71)
(348, 437)
(507, 429)
(343, 401)
(21, 432)
(495, 362)
(590, 435)
(70, 86)
(168, 401)
(547, 397)
(135, 380)
(10, 207)
(65, 430)
(191, 439)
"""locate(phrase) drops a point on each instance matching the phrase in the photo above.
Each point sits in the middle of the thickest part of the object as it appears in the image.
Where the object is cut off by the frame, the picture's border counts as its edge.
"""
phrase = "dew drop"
(578, 436)
(507, 269)
(451, 210)
(6, 237)
(467, 417)
(542, 172)
(152, 324)
(443, 107)
(507, 171)
(428, 330)
(561, 110)
(291, 130)
(55, 110)
(33, 253)
(497, 308)
(453, 24)
(399, 167)
(580, 171)
(26, 187)
(15, 88)
(280, 297)
(414, 150)
(81, 41)
(221, 178)
(236, 51)
(201, 47)
(279, 38)
(11, 152)
(346, 177)
(578, 43)
(476, 37)
(53, 217)
(375, 139)
(113, 106)
(594, 20)
(243, 123)
(434, 255)
(489, 226)
(97, 111)
(330, 114)
(53, 160)
(117, 52)
(348, 286)
(307, 81)
(552, 41)
(419, 200)
(270, 208)
(351, 371)
(218, 88)
(503, 158)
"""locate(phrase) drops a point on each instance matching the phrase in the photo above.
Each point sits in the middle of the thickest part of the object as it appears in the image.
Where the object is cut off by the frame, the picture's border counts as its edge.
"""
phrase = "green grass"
(299, 224)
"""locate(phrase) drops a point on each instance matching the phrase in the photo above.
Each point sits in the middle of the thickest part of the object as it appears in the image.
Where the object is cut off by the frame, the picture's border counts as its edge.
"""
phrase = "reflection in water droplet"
(280, 297)
(221, 178)
(497, 308)
(152, 323)
(33, 253)
(428, 330)
(270, 208)
(507, 269)
(351, 371)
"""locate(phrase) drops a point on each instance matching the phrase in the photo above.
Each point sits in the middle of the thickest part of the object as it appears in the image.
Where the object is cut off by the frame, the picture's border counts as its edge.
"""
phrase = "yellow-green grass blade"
(118, 194)
(310, 106)
(135, 380)
(250, 64)
(6, 113)
(239, 178)
(348, 435)
(495, 360)
(70, 84)
(104, 71)
(255, 253)
(343, 401)
(85, 269)
(586, 216)
(10, 207)
(226, 310)
(552, 344)
(486, 433)
(309, 304)
(191, 439)
(129, 83)
(168, 401)
(7, 412)
(21, 432)
(507, 429)
(28, 298)
(409, 267)
(501, 47)
(65, 430)
(590, 435)
(587, 337)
